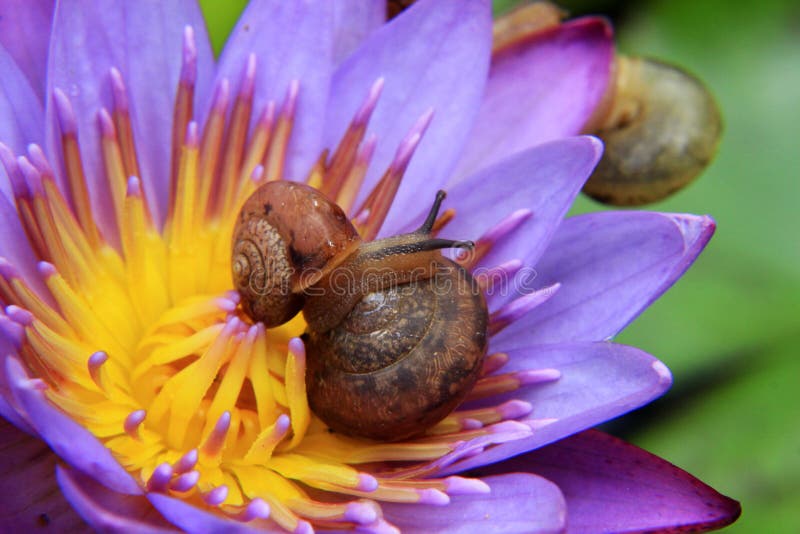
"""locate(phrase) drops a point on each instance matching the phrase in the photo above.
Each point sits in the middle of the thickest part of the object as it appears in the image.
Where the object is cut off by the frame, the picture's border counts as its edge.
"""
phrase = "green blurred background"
(730, 329)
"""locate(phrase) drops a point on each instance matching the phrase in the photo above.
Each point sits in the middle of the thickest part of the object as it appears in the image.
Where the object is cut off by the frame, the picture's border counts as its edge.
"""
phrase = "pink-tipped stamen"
(216, 496)
(187, 462)
(275, 159)
(22, 317)
(495, 234)
(95, 364)
(133, 422)
(39, 160)
(185, 481)
(160, 479)
(65, 114)
(366, 482)
(122, 120)
(433, 496)
(455, 485)
(519, 307)
(342, 161)
(12, 331)
(189, 57)
(255, 509)
(382, 195)
(73, 164)
(497, 278)
(9, 161)
(184, 102)
(362, 512)
(493, 362)
(236, 136)
(216, 439)
(504, 383)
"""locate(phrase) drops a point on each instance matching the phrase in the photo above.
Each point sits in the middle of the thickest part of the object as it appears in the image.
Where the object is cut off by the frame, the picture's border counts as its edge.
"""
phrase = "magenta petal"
(544, 180)
(353, 22)
(611, 266)
(192, 519)
(73, 443)
(435, 55)
(292, 41)
(517, 503)
(145, 42)
(599, 381)
(30, 496)
(543, 88)
(25, 33)
(612, 486)
(106, 510)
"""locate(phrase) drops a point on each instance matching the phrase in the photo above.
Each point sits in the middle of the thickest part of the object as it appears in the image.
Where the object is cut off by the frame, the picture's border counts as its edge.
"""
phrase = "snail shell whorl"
(286, 237)
(402, 359)
(263, 273)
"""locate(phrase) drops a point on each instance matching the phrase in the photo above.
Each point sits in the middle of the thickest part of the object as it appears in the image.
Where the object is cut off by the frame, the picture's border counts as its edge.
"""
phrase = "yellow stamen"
(276, 155)
(77, 187)
(296, 391)
(210, 147)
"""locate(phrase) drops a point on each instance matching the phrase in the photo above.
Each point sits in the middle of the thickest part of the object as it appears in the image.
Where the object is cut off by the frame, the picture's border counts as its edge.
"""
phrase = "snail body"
(396, 332)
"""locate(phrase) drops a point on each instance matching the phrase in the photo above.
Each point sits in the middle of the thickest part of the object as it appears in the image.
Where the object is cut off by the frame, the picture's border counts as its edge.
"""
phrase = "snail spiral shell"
(402, 359)
(396, 333)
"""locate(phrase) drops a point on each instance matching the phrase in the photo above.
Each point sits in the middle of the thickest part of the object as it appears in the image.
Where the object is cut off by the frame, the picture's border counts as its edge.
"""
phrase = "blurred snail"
(396, 332)
(660, 125)
(661, 129)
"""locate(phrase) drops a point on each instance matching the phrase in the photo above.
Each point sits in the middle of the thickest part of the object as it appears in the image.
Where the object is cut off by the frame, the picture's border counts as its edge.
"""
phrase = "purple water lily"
(138, 395)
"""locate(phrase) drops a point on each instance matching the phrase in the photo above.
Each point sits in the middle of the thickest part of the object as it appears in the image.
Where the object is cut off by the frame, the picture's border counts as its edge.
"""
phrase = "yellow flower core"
(139, 338)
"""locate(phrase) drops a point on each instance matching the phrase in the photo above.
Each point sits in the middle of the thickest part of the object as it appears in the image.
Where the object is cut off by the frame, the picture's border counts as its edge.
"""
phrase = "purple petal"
(30, 496)
(612, 486)
(292, 42)
(544, 180)
(106, 510)
(517, 503)
(21, 114)
(8, 409)
(192, 519)
(73, 443)
(10, 414)
(25, 33)
(435, 55)
(611, 265)
(599, 381)
(542, 88)
(353, 22)
(145, 42)
(15, 247)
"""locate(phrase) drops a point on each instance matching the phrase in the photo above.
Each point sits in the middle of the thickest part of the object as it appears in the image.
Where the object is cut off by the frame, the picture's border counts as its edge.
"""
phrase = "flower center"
(136, 332)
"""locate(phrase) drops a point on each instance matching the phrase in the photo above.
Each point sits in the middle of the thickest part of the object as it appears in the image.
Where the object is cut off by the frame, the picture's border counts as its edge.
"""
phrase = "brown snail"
(661, 128)
(396, 332)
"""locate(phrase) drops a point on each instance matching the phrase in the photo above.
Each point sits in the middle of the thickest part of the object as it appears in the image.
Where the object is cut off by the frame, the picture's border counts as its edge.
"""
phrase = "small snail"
(396, 332)
(661, 128)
